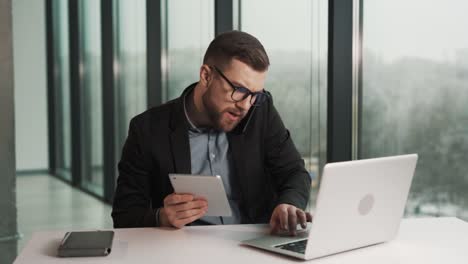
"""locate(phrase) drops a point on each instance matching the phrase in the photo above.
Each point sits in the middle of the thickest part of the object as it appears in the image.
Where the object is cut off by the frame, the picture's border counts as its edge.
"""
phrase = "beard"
(220, 118)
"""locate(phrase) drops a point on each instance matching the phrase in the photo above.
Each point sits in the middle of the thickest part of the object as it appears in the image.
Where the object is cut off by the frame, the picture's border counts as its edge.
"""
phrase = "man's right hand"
(181, 209)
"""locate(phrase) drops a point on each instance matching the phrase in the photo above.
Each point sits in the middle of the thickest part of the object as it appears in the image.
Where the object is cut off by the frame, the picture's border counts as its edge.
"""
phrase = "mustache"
(236, 112)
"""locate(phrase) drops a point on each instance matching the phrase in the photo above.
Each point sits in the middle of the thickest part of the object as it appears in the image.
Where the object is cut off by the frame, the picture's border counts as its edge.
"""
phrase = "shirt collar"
(192, 125)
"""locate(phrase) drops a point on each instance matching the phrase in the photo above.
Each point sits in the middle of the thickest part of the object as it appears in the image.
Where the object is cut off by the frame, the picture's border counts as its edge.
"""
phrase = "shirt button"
(212, 156)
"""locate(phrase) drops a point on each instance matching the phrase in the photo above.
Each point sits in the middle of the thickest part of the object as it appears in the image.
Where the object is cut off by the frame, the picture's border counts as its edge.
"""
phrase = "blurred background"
(76, 71)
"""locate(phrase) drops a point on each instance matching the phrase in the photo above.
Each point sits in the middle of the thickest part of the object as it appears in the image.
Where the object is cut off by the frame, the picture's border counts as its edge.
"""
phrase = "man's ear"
(206, 75)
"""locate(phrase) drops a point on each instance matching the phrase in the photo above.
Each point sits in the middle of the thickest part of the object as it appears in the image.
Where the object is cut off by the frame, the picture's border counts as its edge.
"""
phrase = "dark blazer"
(267, 166)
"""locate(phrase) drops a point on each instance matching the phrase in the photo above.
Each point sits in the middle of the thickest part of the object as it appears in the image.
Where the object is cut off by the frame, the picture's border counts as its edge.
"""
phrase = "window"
(62, 90)
(296, 42)
(91, 91)
(414, 94)
(130, 67)
(190, 29)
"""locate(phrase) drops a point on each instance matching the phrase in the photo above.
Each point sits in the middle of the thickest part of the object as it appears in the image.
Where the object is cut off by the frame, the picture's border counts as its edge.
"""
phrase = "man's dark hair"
(238, 45)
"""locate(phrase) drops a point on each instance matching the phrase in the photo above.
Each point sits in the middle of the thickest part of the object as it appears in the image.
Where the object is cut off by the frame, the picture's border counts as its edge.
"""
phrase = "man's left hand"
(285, 217)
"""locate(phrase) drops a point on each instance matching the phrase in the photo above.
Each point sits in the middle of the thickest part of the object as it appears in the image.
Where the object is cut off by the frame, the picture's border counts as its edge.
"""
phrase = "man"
(225, 124)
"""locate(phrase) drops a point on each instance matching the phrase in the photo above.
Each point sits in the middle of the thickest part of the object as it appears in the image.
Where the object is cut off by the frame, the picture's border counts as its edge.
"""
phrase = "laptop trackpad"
(278, 239)
(299, 233)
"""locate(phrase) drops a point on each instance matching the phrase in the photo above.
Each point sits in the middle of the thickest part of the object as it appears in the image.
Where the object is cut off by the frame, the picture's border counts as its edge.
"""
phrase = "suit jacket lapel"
(181, 151)
(180, 144)
(236, 144)
(239, 154)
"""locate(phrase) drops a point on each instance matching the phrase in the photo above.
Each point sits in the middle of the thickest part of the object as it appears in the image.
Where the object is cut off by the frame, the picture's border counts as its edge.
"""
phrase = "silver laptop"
(360, 203)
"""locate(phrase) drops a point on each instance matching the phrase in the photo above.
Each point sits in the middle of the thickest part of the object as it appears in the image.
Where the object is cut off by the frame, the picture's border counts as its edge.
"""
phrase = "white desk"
(428, 240)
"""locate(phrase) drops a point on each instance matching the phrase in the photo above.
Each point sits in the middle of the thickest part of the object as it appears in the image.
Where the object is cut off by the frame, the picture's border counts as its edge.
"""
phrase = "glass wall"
(414, 97)
(296, 42)
(62, 89)
(130, 63)
(297, 77)
(91, 92)
(190, 29)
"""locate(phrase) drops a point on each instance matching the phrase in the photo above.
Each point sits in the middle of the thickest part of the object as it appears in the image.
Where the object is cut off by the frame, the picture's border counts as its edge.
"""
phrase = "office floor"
(46, 203)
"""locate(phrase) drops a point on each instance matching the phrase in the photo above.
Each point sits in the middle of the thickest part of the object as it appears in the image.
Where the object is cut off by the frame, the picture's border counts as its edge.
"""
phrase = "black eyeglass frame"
(257, 99)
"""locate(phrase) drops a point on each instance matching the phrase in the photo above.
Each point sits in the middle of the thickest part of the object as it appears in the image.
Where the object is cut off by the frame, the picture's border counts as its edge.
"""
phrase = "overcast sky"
(433, 29)
(423, 28)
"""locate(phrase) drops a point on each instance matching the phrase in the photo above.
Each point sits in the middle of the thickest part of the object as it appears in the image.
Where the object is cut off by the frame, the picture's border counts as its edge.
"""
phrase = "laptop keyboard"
(296, 246)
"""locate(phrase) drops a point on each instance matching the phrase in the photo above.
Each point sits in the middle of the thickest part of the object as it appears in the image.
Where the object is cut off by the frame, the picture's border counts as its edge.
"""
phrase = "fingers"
(181, 209)
(292, 220)
(285, 217)
(182, 222)
(189, 213)
(302, 218)
(189, 205)
(177, 198)
(274, 228)
(309, 217)
(275, 225)
(279, 219)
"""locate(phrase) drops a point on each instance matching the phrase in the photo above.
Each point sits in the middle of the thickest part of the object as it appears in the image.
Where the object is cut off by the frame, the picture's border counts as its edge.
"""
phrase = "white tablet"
(210, 187)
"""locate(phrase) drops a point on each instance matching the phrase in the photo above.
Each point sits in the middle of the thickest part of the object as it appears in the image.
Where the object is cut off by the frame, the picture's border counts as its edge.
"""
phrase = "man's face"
(223, 112)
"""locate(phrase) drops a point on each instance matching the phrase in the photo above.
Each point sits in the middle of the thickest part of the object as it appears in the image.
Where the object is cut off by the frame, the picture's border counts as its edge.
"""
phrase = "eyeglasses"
(239, 93)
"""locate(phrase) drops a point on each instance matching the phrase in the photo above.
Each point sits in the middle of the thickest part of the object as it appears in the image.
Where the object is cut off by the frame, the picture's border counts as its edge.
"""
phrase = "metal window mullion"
(156, 51)
(8, 208)
(224, 16)
(75, 93)
(340, 81)
(358, 36)
(357, 64)
(51, 94)
(108, 100)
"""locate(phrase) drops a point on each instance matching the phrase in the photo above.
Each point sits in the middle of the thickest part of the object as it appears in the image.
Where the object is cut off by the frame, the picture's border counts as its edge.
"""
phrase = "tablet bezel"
(208, 186)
